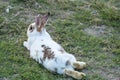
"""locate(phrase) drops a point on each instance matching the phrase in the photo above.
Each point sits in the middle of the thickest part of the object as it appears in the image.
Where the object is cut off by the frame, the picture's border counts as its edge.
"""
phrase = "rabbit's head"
(38, 27)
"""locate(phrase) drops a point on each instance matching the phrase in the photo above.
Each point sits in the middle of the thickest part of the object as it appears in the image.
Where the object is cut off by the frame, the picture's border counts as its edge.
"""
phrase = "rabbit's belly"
(51, 57)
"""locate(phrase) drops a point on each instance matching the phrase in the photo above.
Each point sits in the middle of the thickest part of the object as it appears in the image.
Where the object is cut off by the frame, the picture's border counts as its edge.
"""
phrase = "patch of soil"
(106, 72)
(109, 74)
(99, 31)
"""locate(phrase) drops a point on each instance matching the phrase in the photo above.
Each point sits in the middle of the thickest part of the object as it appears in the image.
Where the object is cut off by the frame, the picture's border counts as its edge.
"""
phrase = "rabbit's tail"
(74, 74)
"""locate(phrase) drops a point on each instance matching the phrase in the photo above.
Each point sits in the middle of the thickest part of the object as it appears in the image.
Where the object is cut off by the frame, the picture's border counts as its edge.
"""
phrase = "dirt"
(99, 31)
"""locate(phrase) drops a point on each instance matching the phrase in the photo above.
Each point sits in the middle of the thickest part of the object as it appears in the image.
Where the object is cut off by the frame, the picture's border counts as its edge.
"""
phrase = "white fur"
(57, 60)
(34, 43)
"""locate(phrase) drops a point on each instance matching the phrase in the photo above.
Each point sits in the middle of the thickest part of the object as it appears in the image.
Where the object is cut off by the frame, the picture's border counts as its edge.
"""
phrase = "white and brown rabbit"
(49, 53)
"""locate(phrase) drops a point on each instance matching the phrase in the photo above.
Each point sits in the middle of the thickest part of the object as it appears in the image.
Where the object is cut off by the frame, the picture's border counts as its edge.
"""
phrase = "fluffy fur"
(47, 52)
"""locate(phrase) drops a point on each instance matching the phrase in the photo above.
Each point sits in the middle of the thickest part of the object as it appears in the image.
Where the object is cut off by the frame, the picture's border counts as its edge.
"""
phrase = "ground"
(88, 29)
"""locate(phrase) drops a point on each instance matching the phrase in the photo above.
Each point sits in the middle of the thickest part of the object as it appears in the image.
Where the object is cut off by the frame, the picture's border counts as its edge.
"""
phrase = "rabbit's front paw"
(25, 44)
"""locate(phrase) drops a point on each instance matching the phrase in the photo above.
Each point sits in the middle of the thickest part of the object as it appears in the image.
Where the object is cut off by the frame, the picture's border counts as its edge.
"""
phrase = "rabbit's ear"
(43, 21)
(37, 20)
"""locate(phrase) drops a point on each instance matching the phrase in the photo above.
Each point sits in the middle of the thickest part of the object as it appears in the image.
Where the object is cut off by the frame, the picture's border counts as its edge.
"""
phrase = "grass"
(67, 25)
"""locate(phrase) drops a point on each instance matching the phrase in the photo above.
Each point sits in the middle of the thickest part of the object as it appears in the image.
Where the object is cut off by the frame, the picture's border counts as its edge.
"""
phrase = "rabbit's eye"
(31, 28)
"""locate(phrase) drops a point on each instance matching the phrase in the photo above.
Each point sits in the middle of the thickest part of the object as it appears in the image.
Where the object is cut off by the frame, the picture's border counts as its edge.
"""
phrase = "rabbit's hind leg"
(74, 74)
(79, 65)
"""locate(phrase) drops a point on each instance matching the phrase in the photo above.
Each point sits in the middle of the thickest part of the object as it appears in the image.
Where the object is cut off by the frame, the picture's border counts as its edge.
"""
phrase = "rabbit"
(50, 54)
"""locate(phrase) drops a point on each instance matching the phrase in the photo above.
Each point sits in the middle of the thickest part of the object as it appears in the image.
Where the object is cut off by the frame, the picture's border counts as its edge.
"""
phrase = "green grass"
(67, 25)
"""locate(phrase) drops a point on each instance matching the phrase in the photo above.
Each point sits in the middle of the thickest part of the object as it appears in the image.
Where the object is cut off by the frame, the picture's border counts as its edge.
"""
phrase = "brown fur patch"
(48, 53)
(39, 28)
